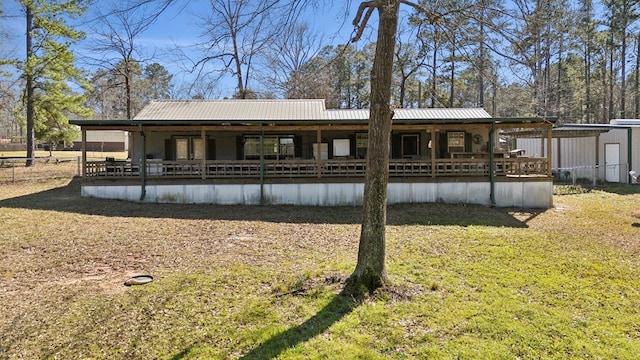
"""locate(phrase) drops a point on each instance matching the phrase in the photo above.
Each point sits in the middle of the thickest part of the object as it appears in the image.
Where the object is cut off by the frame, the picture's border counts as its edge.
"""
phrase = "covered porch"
(276, 152)
(311, 147)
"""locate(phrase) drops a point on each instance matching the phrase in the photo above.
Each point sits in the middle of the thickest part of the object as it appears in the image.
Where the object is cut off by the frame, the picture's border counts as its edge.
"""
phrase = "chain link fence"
(15, 170)
(592, 175)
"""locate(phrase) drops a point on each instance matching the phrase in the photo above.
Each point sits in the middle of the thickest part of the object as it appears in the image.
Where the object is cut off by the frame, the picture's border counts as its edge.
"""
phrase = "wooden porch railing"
(222, 169)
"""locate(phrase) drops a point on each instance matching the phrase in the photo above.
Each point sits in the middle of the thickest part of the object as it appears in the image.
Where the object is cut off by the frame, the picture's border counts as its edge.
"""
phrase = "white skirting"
(529, 194)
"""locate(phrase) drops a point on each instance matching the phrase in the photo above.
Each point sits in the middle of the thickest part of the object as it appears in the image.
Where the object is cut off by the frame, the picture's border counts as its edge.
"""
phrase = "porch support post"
(433, 152)
(319, 151)
(549, 137)
(597, 172)
(84, 152)
(629, 154)
(559, 154)
(143, 163)
(492, 164)
(204, 155)
(261, 165)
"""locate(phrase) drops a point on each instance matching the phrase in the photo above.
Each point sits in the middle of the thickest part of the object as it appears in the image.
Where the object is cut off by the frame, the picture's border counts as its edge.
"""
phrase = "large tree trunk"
(370, 271)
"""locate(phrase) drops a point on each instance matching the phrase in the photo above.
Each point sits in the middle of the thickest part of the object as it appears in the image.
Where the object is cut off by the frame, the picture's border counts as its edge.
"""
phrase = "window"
(410, 146)
(362, 141)
(455, 141)
(189, 148)
(341, 147)
(182, 149)
(287, 148)
(273, 147)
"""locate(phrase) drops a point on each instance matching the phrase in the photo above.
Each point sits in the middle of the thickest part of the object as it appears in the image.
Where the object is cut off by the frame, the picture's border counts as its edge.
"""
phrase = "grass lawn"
(467, 282)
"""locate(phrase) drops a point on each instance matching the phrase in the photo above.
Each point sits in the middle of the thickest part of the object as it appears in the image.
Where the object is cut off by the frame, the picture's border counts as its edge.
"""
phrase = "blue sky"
(178, 26)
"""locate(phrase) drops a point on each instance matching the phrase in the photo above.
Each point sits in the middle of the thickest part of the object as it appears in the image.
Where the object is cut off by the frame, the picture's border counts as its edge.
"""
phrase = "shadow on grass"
(339, 307)
(67, 199)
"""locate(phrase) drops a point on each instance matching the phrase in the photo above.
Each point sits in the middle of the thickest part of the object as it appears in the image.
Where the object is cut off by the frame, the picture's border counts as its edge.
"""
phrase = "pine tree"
(49, 72)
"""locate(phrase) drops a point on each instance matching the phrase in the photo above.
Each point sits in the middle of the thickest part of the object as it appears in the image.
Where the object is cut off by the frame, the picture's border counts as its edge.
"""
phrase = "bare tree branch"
(360, 25)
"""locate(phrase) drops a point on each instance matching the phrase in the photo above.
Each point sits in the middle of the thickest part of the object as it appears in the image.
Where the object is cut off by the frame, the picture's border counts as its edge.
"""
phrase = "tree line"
(575, 60)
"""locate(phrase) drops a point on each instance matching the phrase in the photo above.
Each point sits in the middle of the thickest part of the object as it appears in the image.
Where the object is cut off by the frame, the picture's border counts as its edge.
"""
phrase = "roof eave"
(204, 122)
(598, 126)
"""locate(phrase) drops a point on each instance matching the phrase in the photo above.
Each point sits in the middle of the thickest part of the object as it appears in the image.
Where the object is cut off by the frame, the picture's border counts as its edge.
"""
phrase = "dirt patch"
(108, 282)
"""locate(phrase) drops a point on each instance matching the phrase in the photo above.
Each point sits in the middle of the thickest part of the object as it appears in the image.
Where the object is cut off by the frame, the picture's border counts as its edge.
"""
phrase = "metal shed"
(594, 152)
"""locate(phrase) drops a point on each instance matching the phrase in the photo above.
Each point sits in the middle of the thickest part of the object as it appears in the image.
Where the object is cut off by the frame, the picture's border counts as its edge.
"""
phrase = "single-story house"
(297, 152)
(592, 152)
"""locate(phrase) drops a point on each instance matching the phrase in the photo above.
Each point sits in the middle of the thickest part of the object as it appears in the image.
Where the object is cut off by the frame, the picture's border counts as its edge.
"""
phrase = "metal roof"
(559, 132)
(347, 114)
(207, 112)
(233, 110)
(441, 114)
(413, 114)
(613, 124)
(626, 122)
(285, 110)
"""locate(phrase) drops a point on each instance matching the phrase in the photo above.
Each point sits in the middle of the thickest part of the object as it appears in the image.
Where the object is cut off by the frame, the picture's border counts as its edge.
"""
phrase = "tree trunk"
(241, 93)
(433, 69)
(370, 271)
(636, 87)
(31, 134)
(403, 84)
(612, 80)
(127, 86)
(587, 80)
(559, 81)
(452, 90)
(623, 70)
(481, 74)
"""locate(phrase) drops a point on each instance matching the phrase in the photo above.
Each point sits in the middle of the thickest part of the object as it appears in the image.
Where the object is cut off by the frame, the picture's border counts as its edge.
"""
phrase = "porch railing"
(222, 169)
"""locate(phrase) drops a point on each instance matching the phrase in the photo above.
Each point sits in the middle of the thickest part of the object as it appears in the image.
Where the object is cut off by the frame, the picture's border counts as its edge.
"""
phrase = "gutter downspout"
(629, 154)
(143, 165)
(492, 184)
(261, 165)
(84, 153)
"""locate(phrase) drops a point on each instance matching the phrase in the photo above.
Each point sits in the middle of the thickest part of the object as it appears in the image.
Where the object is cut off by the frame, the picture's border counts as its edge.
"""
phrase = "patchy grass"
(570, 189)
(64, 154)
(264, 282)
